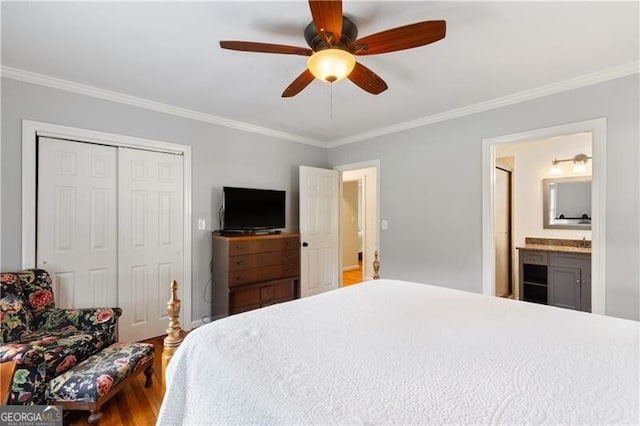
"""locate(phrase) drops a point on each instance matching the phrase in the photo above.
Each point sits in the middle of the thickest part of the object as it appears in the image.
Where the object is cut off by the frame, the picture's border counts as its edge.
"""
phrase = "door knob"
(305, 244)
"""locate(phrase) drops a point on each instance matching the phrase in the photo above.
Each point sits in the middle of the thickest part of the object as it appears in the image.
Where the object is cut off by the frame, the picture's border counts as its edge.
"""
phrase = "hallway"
(352, 277)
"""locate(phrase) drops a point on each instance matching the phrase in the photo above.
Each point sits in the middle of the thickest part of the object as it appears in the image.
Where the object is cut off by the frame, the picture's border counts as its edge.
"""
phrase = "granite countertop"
(556, 245)
(559, 249)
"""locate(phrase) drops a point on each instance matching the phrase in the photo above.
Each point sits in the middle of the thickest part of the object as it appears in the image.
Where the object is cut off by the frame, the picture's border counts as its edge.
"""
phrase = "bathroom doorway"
(520, 170)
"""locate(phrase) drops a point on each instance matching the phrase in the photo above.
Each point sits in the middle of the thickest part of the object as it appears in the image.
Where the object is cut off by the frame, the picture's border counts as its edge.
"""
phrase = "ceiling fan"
(333, 42)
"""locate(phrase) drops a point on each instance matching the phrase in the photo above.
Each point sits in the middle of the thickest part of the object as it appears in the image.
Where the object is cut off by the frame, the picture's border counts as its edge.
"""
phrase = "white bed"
(397, 352)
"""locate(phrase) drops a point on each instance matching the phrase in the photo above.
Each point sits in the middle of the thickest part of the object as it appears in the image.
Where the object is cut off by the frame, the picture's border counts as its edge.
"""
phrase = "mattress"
(395, 352)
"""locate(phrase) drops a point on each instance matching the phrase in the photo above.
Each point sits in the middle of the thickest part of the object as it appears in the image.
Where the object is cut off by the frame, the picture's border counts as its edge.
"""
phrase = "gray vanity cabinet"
(570, 281)
(557, 279)
(565, 287)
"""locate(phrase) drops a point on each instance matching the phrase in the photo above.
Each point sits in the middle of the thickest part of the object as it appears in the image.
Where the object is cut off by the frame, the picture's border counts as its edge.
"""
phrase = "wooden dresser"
(249, 272)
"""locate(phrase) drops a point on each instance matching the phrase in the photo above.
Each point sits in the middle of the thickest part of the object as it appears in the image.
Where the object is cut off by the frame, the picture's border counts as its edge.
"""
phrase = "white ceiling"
(168, 52)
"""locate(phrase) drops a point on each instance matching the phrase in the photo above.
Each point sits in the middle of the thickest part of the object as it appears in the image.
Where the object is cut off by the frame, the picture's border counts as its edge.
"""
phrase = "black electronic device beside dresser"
(252, 271)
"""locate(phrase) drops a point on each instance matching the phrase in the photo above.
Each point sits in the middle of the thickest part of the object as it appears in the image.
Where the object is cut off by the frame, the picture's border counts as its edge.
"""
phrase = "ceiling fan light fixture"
(331, 65)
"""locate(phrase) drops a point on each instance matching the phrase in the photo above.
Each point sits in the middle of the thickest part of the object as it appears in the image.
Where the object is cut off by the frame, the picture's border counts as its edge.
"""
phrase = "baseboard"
(350, 268)
(196, 324)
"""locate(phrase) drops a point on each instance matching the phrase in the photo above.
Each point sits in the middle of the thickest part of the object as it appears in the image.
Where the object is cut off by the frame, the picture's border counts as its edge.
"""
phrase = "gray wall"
(221, 156)
(431, 188)
(430, 178)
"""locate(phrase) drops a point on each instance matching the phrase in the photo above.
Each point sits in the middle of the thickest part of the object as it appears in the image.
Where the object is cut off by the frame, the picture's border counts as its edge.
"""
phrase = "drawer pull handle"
(239, 262)
(238, 277)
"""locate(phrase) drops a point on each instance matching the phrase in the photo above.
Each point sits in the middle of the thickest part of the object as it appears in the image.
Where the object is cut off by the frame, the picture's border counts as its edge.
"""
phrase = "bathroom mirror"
(567, 203)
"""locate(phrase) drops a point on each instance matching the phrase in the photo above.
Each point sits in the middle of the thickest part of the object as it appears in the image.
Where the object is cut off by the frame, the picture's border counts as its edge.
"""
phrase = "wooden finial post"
(376, 266)
(174, 332)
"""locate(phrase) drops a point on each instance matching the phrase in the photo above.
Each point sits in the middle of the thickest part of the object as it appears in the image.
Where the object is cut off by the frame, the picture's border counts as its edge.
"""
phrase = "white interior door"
(319, 218)
(76, 222)
(150, 197)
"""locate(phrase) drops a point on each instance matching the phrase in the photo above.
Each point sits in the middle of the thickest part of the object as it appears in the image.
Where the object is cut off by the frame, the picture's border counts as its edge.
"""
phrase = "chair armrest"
(94, 320)
(28, 383)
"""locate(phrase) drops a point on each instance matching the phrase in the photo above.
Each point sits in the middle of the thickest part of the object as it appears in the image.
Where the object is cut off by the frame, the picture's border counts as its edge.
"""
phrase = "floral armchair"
(43, 340)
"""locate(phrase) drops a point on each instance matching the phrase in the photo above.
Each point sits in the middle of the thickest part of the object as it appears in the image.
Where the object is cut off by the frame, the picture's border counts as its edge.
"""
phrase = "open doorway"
(352, 226)
(359, 221)
(519, 207)
(533, 203)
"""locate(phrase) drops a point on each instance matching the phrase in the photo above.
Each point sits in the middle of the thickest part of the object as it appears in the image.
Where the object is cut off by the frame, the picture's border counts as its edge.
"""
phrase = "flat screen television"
(249, 209)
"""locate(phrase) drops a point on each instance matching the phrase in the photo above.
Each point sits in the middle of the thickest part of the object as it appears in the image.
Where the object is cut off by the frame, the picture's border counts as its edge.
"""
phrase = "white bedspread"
(397, 352)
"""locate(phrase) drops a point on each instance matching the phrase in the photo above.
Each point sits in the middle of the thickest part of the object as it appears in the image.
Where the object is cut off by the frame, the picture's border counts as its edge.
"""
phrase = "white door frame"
(356, 166)
(598, 129)
(32, 129)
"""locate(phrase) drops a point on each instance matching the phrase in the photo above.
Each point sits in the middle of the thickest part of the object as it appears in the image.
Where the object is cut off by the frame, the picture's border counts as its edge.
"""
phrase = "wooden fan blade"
(327, 18)
(298, 84)
(250, 46)
(367, 80)
(400, 38)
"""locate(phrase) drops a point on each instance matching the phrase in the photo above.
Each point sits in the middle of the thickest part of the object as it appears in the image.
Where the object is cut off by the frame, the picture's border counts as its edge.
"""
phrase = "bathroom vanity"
(556, 272)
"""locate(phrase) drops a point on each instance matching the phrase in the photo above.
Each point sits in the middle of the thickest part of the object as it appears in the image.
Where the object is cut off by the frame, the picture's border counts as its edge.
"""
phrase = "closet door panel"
(76, 222)
(150, 243)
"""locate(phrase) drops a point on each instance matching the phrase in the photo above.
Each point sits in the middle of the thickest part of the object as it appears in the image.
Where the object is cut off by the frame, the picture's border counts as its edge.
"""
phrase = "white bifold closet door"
(110, 229)
(76, 221)
(150, 239)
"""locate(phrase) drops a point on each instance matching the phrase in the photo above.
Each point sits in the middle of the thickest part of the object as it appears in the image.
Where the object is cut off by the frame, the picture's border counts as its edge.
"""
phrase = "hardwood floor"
(352, 277)
(134, 405)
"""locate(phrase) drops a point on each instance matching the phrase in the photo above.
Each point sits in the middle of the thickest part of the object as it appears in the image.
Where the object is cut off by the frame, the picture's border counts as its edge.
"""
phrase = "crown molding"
(551, 89)
(95, 92)
(526, 95)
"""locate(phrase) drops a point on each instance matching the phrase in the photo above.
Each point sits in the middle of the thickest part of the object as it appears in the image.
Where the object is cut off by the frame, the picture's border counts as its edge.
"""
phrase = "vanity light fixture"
(579, 164)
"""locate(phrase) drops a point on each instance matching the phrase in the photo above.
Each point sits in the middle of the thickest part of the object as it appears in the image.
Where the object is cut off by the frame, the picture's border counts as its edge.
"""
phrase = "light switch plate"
(201, 224)
(384, 224)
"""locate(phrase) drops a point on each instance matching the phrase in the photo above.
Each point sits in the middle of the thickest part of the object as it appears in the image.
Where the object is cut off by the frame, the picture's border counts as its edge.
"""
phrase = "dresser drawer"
(240, 263)
(284, 289)
(278, 257)
(533, 257)
(288, 270)
(290, 243)
(272, 258)
(240, 246)
(261, 294)
(265, 273)
(244, 277)
(244, 297)
(269, 273)
(291, 256)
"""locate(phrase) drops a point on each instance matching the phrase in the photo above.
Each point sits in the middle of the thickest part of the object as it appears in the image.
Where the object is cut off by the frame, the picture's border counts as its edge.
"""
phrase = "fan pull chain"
(331, 100)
